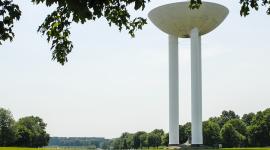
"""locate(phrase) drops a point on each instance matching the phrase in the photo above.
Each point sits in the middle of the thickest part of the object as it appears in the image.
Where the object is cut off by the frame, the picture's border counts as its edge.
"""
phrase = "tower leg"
(173, 92)
(196, 89)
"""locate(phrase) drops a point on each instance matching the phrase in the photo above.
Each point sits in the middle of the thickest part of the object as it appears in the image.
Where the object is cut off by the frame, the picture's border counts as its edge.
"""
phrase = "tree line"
(228, 129)
(26, 132)
(92, 142)
(141, 139)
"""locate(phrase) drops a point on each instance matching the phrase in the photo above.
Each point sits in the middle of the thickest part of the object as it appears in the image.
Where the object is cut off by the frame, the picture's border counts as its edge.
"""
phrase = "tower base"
(188, 147)
(174, 146)
(197, 145)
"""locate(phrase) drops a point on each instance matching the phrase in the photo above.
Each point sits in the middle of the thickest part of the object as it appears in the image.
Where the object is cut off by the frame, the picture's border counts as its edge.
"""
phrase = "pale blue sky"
(114, 83)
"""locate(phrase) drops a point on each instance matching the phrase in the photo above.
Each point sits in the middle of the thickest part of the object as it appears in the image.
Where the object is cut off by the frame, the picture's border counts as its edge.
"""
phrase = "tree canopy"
(56, 26)
(252, 130)
(230, 136)
(27, 132)
(31, 132)
(211, 133)
(7, 128)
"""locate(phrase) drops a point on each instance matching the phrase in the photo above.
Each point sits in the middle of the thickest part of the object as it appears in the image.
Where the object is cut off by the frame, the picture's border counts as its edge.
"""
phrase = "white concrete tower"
(173, 91)
(196, 88)
(178, 20)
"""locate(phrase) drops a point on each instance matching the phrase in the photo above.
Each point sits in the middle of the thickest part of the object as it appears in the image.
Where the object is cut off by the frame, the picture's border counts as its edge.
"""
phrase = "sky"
(114, 83)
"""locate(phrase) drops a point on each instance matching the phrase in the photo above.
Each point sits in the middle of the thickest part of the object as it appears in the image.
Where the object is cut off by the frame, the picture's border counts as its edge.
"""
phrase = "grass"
(246, 148)
(16, 148)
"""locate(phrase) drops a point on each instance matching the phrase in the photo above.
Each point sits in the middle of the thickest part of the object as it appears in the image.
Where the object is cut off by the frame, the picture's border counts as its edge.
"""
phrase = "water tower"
(179, 21)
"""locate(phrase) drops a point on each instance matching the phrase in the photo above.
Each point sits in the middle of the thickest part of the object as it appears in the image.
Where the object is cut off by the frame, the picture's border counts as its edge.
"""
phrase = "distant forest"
(94, 142)
(228, 129)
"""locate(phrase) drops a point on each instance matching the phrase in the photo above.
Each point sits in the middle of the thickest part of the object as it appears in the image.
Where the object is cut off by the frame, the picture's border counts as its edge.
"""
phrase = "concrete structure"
(178, 20)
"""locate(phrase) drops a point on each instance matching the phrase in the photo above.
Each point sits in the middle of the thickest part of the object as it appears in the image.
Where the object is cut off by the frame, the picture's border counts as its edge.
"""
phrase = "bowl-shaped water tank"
(178, 19)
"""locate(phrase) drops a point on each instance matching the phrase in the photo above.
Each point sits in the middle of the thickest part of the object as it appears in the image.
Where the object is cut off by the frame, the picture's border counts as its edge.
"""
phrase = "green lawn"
(15, 148)
(246, 148)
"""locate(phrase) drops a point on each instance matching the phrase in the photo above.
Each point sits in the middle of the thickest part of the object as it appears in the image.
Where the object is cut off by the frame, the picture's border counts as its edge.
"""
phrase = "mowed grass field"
(246, 148)
(16, 148)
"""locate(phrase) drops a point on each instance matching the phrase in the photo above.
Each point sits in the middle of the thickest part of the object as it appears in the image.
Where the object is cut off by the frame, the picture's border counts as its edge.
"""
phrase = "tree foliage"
(230, 137)
(154, 140)
(182, 136)
(165, 139)
(31, 132)
(9, 12)
(140, 139)
(27, 132)
(7, 128)
(56, 26)
(252, 130)
(184, 132)
(239, 126)
(211, 135)
(259, 130)
(248, 118)
(226, 116)
(246, 5)
(156, 136)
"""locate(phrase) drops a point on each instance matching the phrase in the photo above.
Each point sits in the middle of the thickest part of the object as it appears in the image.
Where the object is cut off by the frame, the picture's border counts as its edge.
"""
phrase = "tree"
(140, 139)
(126, 141)
(116, 143)
(24, 136)
(187, 132)
(129, 139)
(165, 139)
(246, 5)
(159, 132)
(154, 140)
(106, 144)
(7, 128)
(259, 130)
(226, 116)
(241, 128)
(143, 140)
(151, 139)
(31, 132)
(9, 12)
(230, 137)
(211, 132)
(125, 146)
(248, 118)
(266, 114)
(183, 137)
(56, 25)
(216, 120)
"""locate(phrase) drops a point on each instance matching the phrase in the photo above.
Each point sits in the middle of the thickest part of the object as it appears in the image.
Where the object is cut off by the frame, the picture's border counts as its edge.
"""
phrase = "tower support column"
(196, 89)
(173, 92)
